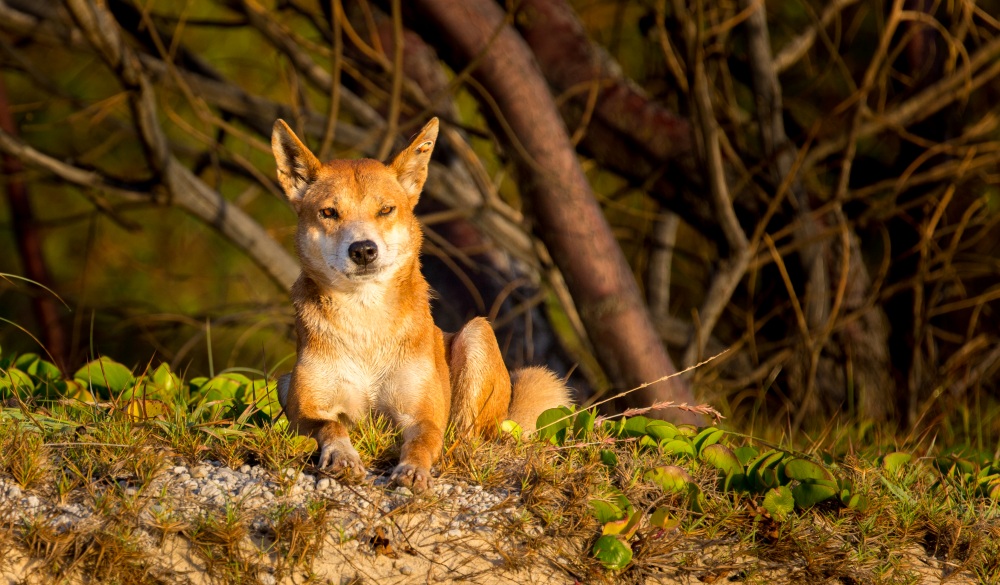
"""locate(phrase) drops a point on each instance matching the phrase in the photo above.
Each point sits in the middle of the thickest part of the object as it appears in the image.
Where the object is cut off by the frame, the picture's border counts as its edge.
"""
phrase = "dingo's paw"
(342, 460)
(417, 479)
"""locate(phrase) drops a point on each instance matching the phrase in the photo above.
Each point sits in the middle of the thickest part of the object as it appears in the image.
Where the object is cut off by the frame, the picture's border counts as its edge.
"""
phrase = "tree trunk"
(569, 220)
(29, 245)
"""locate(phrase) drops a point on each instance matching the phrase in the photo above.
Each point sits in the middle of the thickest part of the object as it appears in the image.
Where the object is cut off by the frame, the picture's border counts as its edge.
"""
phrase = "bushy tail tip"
(535, 390)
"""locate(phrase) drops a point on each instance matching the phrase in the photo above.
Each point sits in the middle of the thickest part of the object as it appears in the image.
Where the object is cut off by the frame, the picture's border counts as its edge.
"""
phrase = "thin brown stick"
(395, 97)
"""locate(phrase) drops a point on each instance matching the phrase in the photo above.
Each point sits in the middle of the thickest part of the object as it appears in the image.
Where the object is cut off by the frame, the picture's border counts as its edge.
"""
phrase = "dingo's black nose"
(363, 253)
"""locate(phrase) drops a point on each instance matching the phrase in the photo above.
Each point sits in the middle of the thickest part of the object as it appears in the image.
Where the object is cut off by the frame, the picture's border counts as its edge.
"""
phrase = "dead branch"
(798, 47)
(184, 188)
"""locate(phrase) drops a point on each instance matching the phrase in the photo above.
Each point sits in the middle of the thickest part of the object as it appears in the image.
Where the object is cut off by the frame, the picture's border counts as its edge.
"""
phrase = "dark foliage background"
(623, 187)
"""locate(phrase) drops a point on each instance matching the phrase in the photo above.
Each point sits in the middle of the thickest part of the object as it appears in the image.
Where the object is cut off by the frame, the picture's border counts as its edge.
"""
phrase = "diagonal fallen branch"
(699, 409)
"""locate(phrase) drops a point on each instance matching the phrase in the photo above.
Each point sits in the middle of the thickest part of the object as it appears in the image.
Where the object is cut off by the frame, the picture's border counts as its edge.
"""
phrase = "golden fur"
(366, 339)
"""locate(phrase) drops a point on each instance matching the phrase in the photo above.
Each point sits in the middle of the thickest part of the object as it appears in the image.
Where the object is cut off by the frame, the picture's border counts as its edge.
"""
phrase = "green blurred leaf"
(660, 430)
(511, 428)
(809, 494)
(855, 502)
(802, 469)
(669, 477)
(634, 427)
(14, 381)
(552, 424)
(722, 458)
(678, 446)
(609, 458)
(893, 462)
(764, 460)
(662, 518)
(625, 527)
(745, 454)
(779, 502)
(34, 365)
(612, 552)
(606, 511)
(687, 430)
(706, 437)
(139, 409)
(108, 377)
(583, 424)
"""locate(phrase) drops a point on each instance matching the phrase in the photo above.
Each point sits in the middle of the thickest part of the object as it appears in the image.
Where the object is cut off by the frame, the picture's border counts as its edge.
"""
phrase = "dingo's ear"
(411, 164)
(297, 165)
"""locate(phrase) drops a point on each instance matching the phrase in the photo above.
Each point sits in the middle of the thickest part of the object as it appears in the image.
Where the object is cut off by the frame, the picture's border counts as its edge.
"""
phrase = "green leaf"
(802, 469)
(764, 460)
(765, 479)
(31, 363)
(678, 446)
(855, 502)
(625, 527)
(140, 409)
(759, 474)
(605, 511)
(612, 552)
(647, 442)
(660, 430)
(706, 437)
(954, 466)
(662, 518)
(893, 462)
(696, 499)
(669, 477)
(511, 428)
(687, 430)
(809, 494)
(609, 458)
(168, 383)
(552, 424)
(993, 491)
(634, 427)
(583, 424)
(222, 387)
(13, 380)
(779, 502)
(722, 458)
(745, 454)
(108, 377)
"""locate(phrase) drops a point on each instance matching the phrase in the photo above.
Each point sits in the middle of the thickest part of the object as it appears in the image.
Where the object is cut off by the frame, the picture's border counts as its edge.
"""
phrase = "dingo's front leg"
(326, 424)
(422, 442)
(417, 399)
(337, 452)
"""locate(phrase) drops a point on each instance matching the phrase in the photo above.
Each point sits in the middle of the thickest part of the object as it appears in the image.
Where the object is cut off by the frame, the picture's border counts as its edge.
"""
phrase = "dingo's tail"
(534, 390)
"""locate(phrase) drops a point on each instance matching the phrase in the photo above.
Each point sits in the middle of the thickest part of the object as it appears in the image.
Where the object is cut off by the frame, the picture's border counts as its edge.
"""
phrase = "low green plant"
(779, 483)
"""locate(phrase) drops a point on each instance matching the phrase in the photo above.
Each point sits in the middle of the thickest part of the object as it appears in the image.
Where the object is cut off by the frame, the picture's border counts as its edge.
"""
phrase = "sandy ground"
(458, 533)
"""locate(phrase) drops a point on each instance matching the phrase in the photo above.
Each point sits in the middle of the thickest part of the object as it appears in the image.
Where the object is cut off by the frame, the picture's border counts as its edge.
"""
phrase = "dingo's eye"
(386, 210)
(329, 213)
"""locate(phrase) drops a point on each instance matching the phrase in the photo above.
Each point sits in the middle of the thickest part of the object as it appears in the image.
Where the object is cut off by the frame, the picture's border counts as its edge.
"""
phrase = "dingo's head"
(356, 221)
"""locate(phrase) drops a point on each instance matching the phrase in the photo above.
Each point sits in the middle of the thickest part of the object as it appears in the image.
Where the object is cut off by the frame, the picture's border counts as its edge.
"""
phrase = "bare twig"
(797, 47)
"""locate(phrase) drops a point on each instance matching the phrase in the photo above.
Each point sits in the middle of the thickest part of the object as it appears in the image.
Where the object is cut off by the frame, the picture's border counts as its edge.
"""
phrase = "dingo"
(366, 340)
